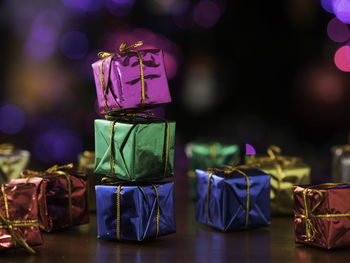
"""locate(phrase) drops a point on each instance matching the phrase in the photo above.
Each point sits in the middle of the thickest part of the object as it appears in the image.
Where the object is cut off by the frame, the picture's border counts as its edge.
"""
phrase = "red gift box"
(19, 224)
(322, 215)
(62, 196)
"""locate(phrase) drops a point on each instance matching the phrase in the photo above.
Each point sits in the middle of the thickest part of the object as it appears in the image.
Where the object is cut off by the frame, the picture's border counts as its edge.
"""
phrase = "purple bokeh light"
(249, 150)
(341, 10)
(180, 7)
(57, 146)
(338, 31)
(206, 14)
(342, 58)
(82, 5)
(74, 45)
(119, 8)
(327, 5)
(12, 119)
(41, 42)
(184, 19)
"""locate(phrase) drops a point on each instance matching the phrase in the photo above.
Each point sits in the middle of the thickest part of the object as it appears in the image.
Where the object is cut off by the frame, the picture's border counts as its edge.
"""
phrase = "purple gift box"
(131, 79)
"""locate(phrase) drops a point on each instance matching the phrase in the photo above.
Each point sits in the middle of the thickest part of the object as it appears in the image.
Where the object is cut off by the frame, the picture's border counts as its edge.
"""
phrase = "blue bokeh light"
(74, 45)
(119, 8)
(327, 5)
(12, 119)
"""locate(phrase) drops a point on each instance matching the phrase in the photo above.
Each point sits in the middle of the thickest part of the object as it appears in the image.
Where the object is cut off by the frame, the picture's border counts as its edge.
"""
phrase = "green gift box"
(203, 155)
(142, 150)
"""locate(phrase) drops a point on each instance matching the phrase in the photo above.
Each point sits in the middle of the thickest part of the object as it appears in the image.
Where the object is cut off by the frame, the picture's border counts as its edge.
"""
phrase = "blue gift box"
(135, 212)
(225, 194)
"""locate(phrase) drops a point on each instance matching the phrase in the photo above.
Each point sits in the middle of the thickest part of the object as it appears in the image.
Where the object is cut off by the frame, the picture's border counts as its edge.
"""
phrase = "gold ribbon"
(118, 209)
(6, 223)
(276, 159)
(6, 149)
(213, 153)
(228, 170)
(122, 49)
(125, 116)
(309, 215)
(55, 171)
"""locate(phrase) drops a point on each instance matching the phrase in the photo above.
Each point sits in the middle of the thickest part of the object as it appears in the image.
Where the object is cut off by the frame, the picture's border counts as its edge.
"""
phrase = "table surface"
(193, 242)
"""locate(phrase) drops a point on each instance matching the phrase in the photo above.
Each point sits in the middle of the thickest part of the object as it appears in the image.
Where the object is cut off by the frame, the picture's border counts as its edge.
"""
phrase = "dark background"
(262, 74)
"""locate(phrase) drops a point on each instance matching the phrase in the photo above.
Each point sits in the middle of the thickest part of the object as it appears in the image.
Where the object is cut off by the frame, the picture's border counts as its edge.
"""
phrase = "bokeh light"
(82, 5)
(327, 5)
(12, 119)
(249, 150)
(74, 45)
(338, 31)
(206, 14)
(42, 41)
(341, 10)
(119, 8)
(342, 58)
(184, 19)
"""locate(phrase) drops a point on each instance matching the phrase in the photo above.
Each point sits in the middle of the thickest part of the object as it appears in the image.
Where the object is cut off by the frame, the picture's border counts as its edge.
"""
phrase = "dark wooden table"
(193, 242)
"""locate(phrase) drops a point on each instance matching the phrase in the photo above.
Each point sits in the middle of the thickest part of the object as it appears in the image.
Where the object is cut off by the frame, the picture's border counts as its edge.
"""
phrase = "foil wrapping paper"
(122, 80)
(204, 155)
(341, 163)
(53, 200)
(327, 229)
(227, 201)
(137, 211)
(139, 150)
(86, 165)
(11, 165)
(283, 178)
(22, 205)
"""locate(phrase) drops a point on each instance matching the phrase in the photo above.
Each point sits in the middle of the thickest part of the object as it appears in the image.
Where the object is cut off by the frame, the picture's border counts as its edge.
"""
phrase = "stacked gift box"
(134, 149)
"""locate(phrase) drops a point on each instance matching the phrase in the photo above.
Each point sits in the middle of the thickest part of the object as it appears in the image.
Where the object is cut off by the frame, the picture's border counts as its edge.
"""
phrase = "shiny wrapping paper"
(138, 211)
(22, 206)
(86, 165)
(227, 202)
(204, 155)
(53, 200)
(285, 172)
(12, 163)
(122, 80)
(326, 217)
(139, 150)
(341, 163)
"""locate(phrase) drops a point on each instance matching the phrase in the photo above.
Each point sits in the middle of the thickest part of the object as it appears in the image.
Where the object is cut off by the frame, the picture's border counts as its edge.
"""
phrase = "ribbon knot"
(54, 171)
(228, 170)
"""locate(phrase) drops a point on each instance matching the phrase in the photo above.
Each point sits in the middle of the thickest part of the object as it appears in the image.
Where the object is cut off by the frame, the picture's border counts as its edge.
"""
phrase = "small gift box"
(341, 163)
(205, 155)
(322, 215)
(12, 162)
(86, 165)
(130, 79)
(135, 151)
(19, 224)
(285, 172)
(233, 197)
(62, 196)
(135, 212)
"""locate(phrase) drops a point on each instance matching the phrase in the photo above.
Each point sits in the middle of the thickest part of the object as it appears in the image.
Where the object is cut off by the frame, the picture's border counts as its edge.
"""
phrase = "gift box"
(62, 196)
(12, 162)
(203, 155)
(285, 172)
(130, 79)
(322, 215)
(19, 224)
(233, 197)
(141, 151)
(135, 212)
(86, 165)
(341, 163)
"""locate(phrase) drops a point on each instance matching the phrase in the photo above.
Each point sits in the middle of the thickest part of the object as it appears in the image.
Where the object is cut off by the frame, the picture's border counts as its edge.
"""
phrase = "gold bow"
(124, 116)
(228, 170)
(112, 181)
(276, 159)
(8, 224)
(311, 231)
(6, 149)
(55, 171)
(122, 49)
